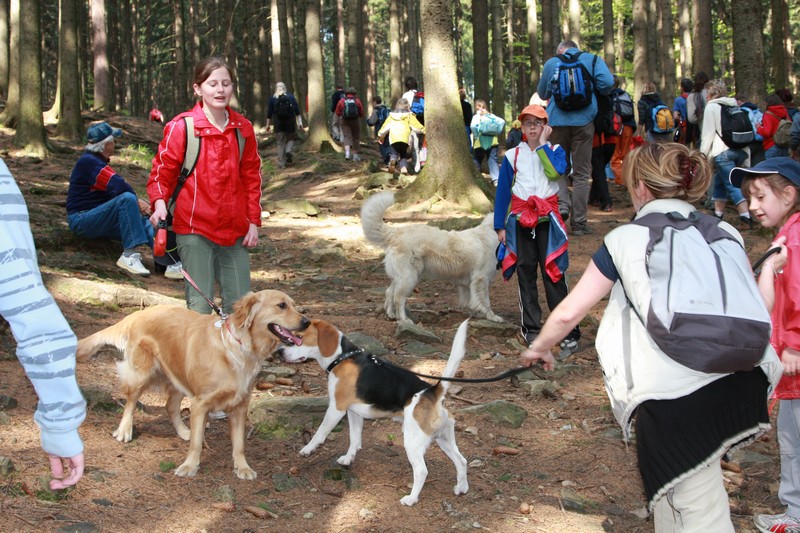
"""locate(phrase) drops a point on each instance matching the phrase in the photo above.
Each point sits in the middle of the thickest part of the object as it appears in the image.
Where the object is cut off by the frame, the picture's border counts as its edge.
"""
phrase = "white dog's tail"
(372, 216)
(457, 352)
(116, 335)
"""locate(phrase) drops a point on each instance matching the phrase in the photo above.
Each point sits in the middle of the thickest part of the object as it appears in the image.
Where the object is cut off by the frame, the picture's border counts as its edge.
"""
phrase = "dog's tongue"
(289, 337)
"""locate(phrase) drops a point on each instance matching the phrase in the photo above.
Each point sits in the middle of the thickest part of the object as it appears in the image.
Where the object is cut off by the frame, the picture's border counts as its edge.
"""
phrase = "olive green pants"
(209, 264)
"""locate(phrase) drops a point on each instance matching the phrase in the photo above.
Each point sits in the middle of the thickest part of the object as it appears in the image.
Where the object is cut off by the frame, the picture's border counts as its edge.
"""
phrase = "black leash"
(760, 261)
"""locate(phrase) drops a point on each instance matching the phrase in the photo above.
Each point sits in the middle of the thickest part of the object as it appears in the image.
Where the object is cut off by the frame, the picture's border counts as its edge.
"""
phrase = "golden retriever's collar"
(342, 357)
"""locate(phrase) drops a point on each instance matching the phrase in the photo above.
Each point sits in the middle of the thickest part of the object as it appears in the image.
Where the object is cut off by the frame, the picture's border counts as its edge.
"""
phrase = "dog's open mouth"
(286, 337)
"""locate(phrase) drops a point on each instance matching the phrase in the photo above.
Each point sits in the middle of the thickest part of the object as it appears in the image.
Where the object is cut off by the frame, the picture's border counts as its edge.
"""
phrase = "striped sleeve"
(45, 342)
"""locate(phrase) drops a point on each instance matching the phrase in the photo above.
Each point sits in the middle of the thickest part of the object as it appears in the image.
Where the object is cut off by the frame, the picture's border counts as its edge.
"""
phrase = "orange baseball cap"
(534, 110)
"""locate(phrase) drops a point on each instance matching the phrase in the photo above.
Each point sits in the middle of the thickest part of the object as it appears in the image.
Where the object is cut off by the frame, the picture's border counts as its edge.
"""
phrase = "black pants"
(531, 254)
(601, 155)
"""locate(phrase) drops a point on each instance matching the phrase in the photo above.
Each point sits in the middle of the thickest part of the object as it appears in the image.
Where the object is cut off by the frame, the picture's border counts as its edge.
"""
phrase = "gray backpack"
(705, 309)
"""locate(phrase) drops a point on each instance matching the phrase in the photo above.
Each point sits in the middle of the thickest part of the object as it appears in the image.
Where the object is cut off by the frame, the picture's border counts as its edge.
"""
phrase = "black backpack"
(350, 108)
(737, 130)
(607, 121)
(284, 109)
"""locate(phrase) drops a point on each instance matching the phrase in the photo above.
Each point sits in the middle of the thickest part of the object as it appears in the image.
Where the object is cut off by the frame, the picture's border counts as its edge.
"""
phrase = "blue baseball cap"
(785, 166)
(101, 130)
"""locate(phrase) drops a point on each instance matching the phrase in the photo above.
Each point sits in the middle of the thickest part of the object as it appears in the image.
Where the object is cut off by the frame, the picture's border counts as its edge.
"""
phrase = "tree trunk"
(70, 123)
(318, 134)
(667, 38)
(102, 95)
(301, 56)
(4, 50)
(779, 21)
(30, 134)
(480, 47)
(620, 40)
(340, 42)
(703, 40)
(354, 48)
(748, 50)
(575, 21)
(275, 31)
(641, 72)
(608, 35)
(449, 173)
(551, 32)
(178, 93)
(534, 52)
(685, 35)
(498, 103)
(394, 53)
(10, 114)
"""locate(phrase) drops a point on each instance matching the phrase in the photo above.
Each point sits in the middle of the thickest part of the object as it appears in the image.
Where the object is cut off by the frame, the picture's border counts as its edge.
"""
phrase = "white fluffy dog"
(420, 252)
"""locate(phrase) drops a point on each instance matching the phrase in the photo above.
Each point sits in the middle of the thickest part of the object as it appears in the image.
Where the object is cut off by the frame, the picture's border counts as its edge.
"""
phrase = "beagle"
(363, 386)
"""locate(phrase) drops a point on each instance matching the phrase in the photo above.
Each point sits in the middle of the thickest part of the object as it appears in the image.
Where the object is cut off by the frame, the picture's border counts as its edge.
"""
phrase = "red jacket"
(222, 196)
(786, 311)
(769, 124)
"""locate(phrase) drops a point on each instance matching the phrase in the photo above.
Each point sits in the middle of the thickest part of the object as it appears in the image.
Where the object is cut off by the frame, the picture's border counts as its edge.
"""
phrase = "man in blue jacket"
(573, 124)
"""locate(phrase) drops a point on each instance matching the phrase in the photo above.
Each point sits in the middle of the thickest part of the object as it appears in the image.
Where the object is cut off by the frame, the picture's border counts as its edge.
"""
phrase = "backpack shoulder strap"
(191, 152)
(240, 140)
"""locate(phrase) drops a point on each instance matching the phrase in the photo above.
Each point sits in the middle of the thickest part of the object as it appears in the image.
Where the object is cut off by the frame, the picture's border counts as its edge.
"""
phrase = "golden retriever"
(420, 252)
(213, 362)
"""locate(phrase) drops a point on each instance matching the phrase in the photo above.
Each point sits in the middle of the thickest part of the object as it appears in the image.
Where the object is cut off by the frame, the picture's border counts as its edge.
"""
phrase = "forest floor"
(572, 471)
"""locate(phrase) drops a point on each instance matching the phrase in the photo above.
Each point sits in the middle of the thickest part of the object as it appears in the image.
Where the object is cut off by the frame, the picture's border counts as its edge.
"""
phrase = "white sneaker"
(133, 264)
(174, 271)
(779, 523)
(217, 415)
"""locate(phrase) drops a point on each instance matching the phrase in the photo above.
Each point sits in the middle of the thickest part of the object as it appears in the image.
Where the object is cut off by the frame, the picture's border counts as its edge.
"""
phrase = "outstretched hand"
(530, 356)
(75, 465)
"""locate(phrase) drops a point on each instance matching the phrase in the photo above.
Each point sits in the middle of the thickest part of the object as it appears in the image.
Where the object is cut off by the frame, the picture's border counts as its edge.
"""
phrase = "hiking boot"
(174, 271)
(288, 157)
(580, 229)
(392, 166)
(133, 264)
(777, 523)
(568, 347)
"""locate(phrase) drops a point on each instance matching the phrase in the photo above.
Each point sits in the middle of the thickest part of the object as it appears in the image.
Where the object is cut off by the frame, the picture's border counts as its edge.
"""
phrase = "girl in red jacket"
(773, 188)
(769, 125)
(218, 210)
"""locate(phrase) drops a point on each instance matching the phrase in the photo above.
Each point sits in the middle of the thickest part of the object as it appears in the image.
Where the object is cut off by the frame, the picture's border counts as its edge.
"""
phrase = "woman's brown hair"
(208, 65)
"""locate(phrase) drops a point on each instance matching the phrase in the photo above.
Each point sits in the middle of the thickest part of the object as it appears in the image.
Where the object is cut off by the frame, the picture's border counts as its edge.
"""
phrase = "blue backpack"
(418, 103)
(572, 84)
(382, 112)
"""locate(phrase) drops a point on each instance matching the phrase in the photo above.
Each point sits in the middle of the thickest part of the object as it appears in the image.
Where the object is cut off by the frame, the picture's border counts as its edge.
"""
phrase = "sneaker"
(568, 347)
(403, 170)
(356, 158)
(174, 271)
(288, 157)
(217, 415)
(747, 221)
(347, 157)
(580, 229)
(777, 523)
(392, 166)
(133, 264)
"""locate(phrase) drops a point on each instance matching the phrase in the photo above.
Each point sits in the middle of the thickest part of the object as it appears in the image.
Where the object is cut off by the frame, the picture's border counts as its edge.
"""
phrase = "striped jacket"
(45, 342)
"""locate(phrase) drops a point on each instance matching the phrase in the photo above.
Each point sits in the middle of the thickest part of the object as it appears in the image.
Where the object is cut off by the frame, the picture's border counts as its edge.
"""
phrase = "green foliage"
(138, 154)
(166, 466)
(280, 428)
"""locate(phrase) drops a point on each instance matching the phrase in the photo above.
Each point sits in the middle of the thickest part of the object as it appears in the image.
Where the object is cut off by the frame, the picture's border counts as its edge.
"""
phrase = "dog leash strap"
(217, 309)
(499, 377)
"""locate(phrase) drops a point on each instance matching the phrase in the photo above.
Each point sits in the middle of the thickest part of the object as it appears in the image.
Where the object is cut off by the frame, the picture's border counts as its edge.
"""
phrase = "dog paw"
(461, 488)
(183, 432)
(345, 460)
(307, 450)
(247, 473)
(123, 434)
(494, 318)
(408, 500)
(187, 470)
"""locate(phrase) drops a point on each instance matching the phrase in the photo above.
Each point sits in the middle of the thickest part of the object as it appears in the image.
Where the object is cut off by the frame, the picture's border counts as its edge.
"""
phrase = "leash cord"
(498, 377)
(757, 264)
